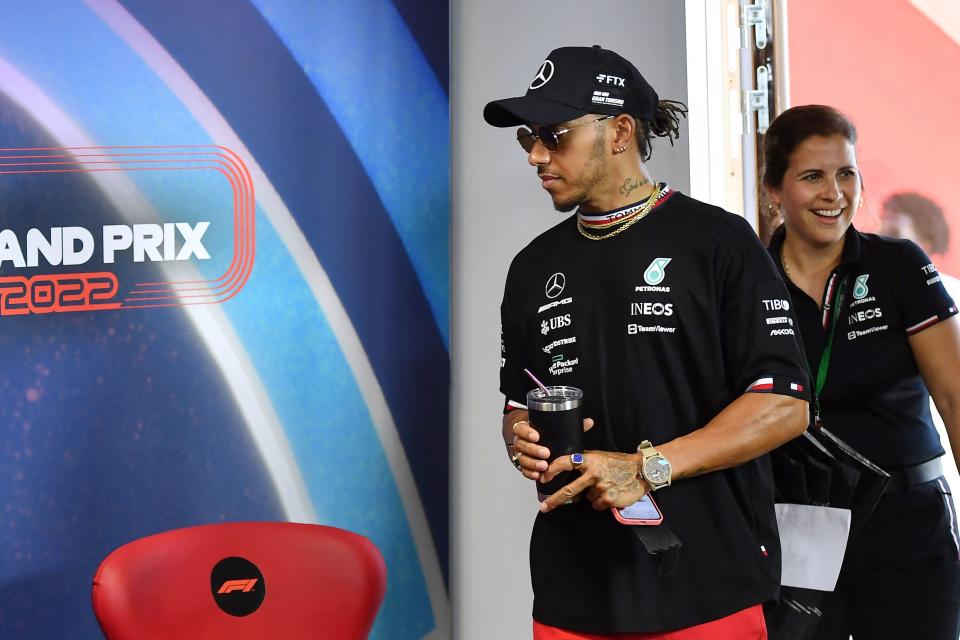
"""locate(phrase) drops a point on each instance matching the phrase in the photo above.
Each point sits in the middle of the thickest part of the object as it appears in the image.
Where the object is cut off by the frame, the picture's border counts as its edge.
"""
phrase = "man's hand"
(527, 454)
(609, 478)
(522, 439)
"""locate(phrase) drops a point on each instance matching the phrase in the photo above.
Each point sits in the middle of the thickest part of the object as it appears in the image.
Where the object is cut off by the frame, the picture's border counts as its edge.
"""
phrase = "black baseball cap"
(575, 81)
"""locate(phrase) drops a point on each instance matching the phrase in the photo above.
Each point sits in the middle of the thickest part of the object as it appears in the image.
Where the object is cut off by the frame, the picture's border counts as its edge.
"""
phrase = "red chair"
(239, 580)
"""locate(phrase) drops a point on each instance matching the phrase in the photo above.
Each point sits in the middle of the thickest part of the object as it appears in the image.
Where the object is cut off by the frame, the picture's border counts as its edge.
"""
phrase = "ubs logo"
(237, 586)
(555, 285)
(544, 73)
(557, 322)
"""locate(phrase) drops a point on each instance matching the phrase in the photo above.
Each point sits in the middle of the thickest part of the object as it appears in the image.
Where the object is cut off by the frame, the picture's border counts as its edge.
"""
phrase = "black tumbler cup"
(557, 417)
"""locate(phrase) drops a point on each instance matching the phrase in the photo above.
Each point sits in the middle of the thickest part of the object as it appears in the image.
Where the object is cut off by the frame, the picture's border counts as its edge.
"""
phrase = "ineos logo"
(555, 285)
(543, 75)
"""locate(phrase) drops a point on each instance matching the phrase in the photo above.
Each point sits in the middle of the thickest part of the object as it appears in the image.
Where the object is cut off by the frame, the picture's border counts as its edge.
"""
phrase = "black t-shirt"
(874, 397)
(662, 327)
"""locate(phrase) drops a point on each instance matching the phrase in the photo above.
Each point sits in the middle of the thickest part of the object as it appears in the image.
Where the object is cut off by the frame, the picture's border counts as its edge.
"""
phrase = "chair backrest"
(241, 580)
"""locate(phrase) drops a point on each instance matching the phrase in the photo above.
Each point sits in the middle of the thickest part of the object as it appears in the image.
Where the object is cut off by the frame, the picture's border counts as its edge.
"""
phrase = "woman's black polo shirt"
(874, 396)
(662, 327)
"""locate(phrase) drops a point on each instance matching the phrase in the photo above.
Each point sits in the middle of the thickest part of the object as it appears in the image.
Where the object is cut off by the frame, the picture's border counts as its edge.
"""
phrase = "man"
(670, 316)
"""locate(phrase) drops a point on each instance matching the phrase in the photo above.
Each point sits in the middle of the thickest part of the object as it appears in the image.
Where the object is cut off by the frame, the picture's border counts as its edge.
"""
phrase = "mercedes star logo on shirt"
(543, 75)
(555, 285)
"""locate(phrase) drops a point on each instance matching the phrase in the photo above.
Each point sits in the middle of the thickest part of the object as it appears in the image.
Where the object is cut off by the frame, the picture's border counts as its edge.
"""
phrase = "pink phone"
(642, 512)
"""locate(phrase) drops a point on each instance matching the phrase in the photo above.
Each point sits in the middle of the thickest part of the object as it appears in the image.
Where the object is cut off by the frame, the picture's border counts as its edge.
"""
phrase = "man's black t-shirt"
(874, 397)
(662, 326)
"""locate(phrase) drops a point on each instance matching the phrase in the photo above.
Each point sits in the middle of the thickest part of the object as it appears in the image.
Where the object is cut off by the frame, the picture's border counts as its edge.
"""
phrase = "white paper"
(812, 541)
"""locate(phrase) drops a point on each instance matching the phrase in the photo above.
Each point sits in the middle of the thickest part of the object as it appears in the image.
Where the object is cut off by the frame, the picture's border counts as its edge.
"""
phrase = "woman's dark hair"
(665, 124)
(791, 128)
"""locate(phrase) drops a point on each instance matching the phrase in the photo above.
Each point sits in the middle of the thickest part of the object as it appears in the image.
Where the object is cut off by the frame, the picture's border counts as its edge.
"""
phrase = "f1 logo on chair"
(237, 586)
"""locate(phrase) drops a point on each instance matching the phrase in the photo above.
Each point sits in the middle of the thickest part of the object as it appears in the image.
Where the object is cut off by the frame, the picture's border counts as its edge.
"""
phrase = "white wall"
(498, 206)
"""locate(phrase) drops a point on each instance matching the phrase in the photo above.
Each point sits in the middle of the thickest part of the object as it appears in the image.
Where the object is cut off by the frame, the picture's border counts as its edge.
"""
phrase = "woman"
(877, 322)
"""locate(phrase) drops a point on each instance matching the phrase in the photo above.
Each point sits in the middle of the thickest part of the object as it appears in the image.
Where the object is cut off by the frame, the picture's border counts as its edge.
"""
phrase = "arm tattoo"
(620, 477)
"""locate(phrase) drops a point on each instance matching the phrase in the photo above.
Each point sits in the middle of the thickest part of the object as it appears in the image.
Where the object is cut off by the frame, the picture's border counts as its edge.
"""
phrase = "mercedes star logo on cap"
(543, 75)
(555, 285)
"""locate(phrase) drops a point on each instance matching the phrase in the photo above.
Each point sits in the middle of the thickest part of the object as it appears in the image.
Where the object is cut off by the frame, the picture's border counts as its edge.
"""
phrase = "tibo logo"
(860, 289)
(238, 585)
(657, 271)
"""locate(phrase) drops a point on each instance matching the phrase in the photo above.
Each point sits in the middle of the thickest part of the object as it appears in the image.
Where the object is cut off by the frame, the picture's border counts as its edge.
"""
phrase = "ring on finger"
(515, 459)
(576, 459)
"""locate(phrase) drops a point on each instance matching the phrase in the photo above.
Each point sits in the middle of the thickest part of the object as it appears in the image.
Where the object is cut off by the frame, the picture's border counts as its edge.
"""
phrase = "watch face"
(656, 470)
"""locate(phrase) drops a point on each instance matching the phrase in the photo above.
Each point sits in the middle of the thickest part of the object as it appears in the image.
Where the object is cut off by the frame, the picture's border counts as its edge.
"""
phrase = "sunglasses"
(547, 136)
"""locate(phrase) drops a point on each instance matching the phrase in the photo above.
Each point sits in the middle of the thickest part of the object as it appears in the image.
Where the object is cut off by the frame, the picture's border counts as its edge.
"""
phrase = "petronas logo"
(657, 271)
(860, 289)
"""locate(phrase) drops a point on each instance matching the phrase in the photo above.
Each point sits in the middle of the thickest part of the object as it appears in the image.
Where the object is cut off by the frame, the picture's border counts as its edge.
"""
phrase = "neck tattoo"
(630, 184)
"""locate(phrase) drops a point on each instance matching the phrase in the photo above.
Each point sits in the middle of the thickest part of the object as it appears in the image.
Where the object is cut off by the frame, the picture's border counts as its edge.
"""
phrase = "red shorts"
(742, 625)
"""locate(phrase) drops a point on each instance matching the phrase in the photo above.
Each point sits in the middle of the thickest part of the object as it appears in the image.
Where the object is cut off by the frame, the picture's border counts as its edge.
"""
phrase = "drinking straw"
(539, 384)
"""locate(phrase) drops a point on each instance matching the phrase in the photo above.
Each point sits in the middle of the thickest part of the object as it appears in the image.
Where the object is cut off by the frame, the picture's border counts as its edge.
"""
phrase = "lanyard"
(825, 356)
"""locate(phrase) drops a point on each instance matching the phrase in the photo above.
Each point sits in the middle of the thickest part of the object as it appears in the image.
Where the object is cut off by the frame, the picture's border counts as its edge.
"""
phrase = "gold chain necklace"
(647, 207)
(783, 261)
(625, 215)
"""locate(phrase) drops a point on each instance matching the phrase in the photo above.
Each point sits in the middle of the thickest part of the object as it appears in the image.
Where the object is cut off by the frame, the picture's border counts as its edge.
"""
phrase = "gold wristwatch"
(654, 468)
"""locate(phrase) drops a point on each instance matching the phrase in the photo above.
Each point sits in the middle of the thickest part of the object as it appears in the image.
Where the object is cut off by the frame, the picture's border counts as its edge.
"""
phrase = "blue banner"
(224, 286)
